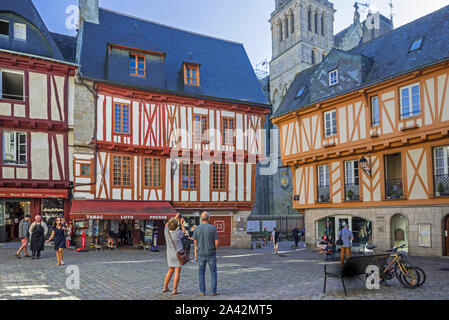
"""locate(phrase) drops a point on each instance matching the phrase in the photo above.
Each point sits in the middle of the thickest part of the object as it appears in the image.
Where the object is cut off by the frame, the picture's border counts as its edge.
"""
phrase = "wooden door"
(224, 227)
(446, 236)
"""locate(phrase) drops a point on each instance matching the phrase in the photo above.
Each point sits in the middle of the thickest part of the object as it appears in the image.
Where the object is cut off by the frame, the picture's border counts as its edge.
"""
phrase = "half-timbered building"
(365, 134)
(36, 81)
(165, 120)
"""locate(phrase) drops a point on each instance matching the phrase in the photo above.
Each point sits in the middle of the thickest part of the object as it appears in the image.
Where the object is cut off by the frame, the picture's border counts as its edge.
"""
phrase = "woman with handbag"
(176, 258)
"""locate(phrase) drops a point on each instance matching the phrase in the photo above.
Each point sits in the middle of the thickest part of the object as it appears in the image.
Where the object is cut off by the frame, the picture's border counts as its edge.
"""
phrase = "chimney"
(89, 11)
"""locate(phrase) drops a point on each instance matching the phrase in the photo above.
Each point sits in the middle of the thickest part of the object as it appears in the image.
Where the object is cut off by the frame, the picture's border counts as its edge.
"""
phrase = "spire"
(356, 13)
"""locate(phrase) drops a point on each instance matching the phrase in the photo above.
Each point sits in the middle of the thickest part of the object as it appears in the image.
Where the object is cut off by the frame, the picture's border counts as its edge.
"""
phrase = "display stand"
(154, 241)
(83, 243)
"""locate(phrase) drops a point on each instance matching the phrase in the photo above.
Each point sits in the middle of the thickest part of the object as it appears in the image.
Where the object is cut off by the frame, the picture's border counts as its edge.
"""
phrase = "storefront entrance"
(446, 236)
(399, 229)
(361, 228)
(13, 213)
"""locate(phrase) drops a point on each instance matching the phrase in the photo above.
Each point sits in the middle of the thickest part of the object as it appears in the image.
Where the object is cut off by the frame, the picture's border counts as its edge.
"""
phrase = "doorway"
(340, 222)
(399, 229)
(446, 236)
(14, 212)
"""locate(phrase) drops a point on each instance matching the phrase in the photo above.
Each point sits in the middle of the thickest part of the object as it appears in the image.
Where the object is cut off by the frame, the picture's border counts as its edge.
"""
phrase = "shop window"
(20, 31)
(228, 127)
(410, 101)
(200, 127)
(441, 171)
(121, 171)
(219, 175)
(11, 85)
(85, 170)
(14, 148)
(330, 123)
(189, 175)
(152, 172)
(191, 74)
(4, 28)
(375, 114)
(121, 118)
(50, 210)
(137, 66)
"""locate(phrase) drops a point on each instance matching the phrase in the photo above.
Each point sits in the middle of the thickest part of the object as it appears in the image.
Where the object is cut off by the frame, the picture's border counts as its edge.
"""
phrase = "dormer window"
(300, 92)
(191, 74)
(137, 65)
(333, 78)
(416, 45)
(20, 31)
(4, 28)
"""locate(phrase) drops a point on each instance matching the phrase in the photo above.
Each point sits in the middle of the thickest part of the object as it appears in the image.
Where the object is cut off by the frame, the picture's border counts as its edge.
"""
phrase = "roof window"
(300, 92)
(416, 45)
(4, 28)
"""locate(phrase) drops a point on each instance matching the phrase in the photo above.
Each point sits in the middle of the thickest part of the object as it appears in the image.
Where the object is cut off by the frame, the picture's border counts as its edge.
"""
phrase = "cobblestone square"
(257, 274)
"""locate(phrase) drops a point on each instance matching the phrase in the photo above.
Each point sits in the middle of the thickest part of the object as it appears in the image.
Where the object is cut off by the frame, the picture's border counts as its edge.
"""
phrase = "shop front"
(361, 228)
(15, 204)
(126, 223)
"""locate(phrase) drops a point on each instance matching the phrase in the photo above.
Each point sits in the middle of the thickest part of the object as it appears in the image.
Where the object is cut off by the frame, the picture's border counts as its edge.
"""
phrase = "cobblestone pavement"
(243, 275)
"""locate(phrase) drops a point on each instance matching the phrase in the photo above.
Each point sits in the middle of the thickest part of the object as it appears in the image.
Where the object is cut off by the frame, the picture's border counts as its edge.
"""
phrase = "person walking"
(57, 233)
(266, 236)
(346, 236)
(173, 239)
(295, 234)
(206, 242)
(275, 238)
(38, 230)
(24, 236)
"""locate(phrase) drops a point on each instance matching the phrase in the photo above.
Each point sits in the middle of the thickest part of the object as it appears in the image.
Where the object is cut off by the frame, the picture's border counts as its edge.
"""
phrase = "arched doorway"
(399, 230)
(446, 235)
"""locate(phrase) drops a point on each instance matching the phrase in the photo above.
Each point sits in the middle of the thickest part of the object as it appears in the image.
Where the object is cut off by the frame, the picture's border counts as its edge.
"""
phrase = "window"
(11, 85)
(152, 172)
(410, 101)
(292, 17)
(309, 20)
(300, 92)
(333, 78)
(352, 189)
(227, 132)
(286, 27)
(192, 74)
(323, 184)
(4, 28)
(322, 25)
(137, 65)
(441, 164)
(20, 31)
(281, 32)
(121, 118)
(200, 127)
(121, 171)
(313, 59)
(189, 175)
(219, 176)
(14, 148)
(416, 45)
(316, 23)
(85, 170)
(375, 120)
(330, 123)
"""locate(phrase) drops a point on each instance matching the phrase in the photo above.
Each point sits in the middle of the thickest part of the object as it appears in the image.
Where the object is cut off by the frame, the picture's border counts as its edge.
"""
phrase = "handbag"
(339, 242)
(182, 255)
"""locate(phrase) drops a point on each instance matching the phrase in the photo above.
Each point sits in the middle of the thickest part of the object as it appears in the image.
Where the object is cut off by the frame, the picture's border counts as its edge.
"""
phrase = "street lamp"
(366, 166)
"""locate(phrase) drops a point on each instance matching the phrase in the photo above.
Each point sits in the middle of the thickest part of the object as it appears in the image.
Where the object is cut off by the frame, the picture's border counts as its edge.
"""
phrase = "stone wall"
(381, 225)
(239, 238)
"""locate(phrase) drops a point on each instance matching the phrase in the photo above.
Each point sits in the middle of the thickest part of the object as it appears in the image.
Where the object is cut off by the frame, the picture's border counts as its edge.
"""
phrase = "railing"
(324, 194)
(394, 189)
(352, 192)
(441, 185)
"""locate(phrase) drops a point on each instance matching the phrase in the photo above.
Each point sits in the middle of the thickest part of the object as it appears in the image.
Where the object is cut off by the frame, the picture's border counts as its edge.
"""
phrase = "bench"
(354, 266)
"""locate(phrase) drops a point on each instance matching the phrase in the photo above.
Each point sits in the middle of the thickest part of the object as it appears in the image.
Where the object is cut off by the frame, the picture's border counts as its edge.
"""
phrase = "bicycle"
(400, 268)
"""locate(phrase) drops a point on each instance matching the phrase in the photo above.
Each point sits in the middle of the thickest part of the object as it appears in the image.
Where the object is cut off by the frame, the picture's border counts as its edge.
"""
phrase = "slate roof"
(39, 41)
(381, 59)
(67, 46)
(226, 72)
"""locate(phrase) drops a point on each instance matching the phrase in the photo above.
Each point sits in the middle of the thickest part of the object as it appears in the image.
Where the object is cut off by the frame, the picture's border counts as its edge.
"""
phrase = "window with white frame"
(375, 114)
(333, 78)
(14, 148)
(410, 101)
(352, 172)
(441, 156)
(20, 31)
(330, 123)
(323, 176)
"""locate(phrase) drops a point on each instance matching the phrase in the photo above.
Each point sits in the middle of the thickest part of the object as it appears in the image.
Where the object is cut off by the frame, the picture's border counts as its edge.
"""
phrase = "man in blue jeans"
(206, 242)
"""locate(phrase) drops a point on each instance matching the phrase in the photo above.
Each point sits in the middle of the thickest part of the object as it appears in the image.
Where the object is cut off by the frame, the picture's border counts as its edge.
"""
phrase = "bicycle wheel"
(411, 277)
(422, 276)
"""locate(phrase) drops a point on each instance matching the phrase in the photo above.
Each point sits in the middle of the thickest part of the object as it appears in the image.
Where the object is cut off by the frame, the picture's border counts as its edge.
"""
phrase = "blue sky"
(244, 21)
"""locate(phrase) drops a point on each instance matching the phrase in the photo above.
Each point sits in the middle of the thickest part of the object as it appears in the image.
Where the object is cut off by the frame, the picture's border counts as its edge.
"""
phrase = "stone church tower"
(302, 35)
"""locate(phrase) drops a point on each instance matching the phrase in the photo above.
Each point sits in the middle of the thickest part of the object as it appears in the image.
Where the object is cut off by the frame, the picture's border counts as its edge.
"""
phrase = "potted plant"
(440, 189)
(349, 195)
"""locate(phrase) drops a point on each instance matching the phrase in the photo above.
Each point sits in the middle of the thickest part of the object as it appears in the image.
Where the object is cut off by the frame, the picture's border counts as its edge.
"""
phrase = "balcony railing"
(352, 192)
(441, 185)
(394, 189)
(324, 194)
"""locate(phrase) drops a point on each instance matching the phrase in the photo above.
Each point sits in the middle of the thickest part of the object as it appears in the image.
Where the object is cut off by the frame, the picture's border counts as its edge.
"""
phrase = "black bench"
(354, 266)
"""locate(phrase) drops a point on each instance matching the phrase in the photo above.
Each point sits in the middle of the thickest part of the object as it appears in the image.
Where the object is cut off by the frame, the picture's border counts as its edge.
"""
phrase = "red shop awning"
(121, 210)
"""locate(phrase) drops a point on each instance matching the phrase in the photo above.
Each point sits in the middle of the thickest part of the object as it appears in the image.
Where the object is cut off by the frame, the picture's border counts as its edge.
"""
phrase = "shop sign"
(94, 217)
(30, 193)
